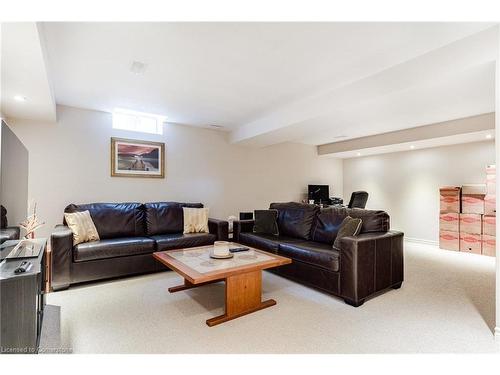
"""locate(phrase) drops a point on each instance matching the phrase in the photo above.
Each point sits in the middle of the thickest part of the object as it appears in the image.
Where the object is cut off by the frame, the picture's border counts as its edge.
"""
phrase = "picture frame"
(136, 158)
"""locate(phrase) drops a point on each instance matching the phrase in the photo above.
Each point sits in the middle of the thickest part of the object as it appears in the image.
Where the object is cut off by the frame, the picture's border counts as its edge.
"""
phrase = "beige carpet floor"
(446, 305)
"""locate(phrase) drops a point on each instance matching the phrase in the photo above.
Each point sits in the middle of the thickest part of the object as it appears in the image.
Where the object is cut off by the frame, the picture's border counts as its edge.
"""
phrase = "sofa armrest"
(220, 228)
(12, 233)
(241, 226)
(369, 263)
(61, 243)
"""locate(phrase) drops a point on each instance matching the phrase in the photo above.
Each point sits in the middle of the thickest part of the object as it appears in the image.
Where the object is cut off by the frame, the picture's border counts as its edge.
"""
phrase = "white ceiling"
(273, 82)
(24, 73)
(480, 136)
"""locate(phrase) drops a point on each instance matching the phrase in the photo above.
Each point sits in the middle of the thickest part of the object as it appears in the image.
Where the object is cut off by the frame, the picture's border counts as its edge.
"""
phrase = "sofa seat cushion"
(314, 253)
(178, 240)
(113, 248)
(267, 242)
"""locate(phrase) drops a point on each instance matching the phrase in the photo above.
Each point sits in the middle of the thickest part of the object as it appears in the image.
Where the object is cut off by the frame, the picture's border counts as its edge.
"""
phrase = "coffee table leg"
(189, 285)
(243, 296)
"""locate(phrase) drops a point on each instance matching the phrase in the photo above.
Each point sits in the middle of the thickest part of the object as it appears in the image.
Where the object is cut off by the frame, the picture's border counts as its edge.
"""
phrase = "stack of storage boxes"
(468, 217)
(489, 218)
(449, 237)
(471, 218)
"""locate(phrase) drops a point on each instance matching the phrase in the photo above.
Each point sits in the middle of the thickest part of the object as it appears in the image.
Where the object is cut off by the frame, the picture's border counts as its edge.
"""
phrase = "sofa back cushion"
(373, 220)
(327, 223)
(113, 220)
(295, 219)
(166, 217)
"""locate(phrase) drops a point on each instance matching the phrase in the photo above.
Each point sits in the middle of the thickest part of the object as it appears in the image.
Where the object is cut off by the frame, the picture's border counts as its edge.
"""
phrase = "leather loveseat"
(364, 265)
(129, 233)
(6, 232)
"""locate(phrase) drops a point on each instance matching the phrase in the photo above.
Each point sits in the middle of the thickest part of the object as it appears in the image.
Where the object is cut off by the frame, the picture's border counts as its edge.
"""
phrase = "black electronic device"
(23, 267)
(319, 193)
(246, 215)
(238, 249)
(334, 201)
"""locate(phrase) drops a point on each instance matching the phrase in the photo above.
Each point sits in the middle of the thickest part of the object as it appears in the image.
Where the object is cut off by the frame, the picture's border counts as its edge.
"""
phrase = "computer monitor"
(320, 193)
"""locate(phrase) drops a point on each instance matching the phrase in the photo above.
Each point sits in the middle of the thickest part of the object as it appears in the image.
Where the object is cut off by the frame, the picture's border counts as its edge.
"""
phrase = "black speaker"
(246, 215)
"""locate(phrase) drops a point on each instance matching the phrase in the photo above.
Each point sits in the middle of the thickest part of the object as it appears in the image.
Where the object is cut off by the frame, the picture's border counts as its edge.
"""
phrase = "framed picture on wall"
(134, 158)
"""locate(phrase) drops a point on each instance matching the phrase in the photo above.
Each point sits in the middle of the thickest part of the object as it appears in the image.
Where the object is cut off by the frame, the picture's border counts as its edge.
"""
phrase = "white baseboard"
(422, 241)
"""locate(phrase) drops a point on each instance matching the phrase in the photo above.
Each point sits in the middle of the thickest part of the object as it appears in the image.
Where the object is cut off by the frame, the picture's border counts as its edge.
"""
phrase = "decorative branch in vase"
(31, 224)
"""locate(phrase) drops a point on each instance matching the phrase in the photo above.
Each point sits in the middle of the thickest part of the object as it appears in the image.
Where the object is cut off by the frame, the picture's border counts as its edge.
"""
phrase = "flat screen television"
(13, 175)
(320, 193)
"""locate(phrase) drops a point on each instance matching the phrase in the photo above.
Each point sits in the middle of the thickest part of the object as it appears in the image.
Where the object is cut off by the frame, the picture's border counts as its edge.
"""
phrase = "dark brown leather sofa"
(364, 265)
(129, 233)
(6, 232)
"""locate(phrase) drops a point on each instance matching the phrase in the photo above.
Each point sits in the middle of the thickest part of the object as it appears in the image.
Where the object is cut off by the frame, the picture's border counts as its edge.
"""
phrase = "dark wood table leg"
(243, 296)
(189, 285)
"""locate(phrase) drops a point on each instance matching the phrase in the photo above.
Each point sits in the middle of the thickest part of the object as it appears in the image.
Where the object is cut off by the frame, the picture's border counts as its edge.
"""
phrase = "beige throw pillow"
(195, 220)
(82, 226)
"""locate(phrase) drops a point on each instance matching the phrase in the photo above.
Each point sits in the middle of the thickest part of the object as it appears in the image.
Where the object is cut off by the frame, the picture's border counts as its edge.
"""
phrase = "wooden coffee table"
(242, 275)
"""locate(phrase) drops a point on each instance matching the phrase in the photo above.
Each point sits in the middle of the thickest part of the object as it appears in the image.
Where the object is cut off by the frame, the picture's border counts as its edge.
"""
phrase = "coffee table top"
(196, 265)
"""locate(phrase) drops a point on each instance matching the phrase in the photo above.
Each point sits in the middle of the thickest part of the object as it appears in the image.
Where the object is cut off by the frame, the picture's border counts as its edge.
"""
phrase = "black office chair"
(358, 199)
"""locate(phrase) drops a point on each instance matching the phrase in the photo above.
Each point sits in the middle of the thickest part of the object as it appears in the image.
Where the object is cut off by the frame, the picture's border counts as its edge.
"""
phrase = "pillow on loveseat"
(349, 227)
(82, 226)
(195, 220)
(266, 222)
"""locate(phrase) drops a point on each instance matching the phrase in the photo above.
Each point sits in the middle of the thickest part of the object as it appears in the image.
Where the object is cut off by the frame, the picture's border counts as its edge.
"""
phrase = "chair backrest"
(358, 199)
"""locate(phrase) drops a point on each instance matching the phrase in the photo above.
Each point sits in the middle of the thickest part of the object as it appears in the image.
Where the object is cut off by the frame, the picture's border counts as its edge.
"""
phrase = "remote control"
(238, 249)
(23, 267)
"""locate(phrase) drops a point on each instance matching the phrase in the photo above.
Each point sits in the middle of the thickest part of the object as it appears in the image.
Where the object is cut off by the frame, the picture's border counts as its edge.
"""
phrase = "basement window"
(124, 119)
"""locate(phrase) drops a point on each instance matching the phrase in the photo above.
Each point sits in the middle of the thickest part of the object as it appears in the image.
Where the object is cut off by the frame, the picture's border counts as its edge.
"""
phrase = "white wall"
(70, 163)
(406, 184)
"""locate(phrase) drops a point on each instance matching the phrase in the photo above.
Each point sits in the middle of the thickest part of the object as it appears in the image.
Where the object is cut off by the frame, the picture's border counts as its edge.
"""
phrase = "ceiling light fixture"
(20, 98)
(358, 154)
(412, 147)
(488, 136)
(137, 67)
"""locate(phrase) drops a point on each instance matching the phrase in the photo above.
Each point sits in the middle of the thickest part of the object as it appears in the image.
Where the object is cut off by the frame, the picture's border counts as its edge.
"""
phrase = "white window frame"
(135, 121)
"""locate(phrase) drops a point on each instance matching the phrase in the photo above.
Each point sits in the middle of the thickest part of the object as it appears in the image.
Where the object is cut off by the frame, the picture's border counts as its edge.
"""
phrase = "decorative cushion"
(195, 220)
(82, 226)
(266, 222)
(349, 227)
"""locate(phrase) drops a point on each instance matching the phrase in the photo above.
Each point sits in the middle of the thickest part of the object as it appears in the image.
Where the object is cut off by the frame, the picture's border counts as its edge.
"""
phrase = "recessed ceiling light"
(488, 136)
(20, 98)
(358, 154)
(138, 67)
(412, 147)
